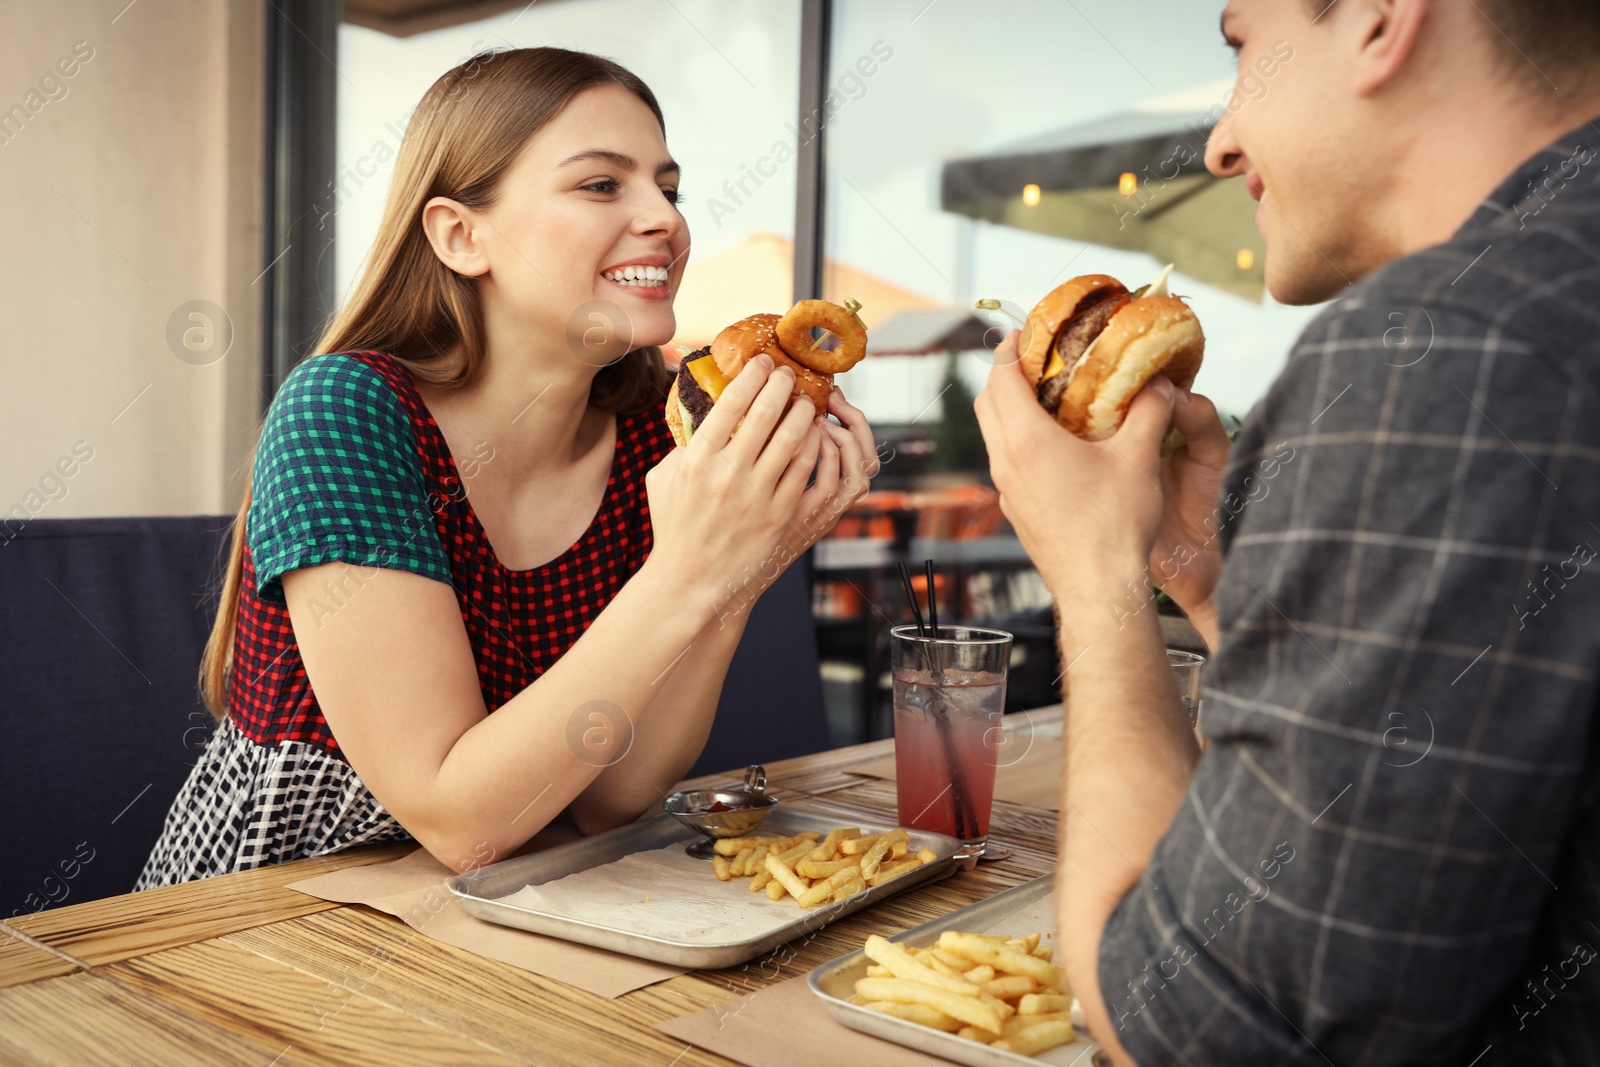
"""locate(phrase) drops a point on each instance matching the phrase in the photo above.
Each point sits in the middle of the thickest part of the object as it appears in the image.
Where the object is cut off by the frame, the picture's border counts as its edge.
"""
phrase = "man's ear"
(1385, 34)
(455, 235)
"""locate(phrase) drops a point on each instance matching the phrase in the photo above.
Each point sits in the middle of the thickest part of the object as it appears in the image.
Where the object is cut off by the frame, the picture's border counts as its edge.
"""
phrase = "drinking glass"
(949, 696)
(1186, 667)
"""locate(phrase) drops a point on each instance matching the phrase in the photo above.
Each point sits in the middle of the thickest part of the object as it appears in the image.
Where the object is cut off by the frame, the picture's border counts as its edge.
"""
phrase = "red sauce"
(718, 806)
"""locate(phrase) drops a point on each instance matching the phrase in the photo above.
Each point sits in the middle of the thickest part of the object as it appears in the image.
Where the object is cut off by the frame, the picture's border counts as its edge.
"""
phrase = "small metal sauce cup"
(752, 802)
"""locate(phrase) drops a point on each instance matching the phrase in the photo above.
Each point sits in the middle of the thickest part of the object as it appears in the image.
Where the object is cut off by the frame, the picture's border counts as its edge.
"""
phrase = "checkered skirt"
(247, 805)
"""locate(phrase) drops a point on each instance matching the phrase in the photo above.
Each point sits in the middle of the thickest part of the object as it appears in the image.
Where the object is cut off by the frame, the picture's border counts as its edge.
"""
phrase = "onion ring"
(751, 336)
(794, 334)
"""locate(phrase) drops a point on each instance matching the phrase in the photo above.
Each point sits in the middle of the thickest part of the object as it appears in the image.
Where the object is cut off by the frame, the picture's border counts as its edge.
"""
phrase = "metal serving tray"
(1012, 909)
(480, 891)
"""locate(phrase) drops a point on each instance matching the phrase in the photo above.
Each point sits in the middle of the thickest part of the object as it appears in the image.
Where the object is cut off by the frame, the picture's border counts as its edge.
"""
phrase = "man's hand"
(1186, 559)
(1086, 512)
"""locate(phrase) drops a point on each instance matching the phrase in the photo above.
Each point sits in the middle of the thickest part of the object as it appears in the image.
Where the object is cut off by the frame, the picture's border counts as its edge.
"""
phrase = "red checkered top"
(518, 622)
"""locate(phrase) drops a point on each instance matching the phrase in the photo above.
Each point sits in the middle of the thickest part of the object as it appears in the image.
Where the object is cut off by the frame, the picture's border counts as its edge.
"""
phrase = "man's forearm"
(1129, 755)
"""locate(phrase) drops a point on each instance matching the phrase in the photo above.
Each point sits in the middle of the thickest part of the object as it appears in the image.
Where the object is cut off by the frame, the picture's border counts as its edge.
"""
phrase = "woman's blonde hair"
(469, 128)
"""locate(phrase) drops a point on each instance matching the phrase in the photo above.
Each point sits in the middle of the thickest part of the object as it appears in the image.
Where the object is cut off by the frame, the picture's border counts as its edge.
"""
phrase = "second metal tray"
(482, 891)
(1025, 905)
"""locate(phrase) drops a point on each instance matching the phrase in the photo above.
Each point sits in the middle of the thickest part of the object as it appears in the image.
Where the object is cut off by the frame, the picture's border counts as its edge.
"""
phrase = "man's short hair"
(1543, 43)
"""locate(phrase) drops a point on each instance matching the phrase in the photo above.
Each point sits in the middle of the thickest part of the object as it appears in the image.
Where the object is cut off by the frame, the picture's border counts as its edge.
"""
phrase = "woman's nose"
(658, 218)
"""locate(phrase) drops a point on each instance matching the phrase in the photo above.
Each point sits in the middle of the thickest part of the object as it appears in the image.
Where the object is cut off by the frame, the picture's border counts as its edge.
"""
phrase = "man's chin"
(1304, 280)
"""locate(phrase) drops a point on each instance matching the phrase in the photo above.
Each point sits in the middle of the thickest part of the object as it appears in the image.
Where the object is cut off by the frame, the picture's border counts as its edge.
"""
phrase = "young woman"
(472, 505)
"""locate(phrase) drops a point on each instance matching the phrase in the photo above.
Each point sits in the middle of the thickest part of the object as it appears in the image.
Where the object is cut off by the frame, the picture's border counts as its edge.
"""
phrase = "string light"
(1030, 195)
(1128, 184)
(1246, 259)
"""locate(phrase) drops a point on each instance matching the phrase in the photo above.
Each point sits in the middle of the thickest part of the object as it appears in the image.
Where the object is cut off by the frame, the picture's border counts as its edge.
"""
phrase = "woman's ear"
(453, 231)
(1387, 34)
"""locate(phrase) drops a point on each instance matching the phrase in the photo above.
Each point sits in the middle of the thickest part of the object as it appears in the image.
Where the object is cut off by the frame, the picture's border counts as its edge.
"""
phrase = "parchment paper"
(412, 888)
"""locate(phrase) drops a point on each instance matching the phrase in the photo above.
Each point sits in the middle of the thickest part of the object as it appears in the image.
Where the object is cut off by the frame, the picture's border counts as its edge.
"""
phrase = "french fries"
(1003, 957)
(996, 990)
(917, 1013)
(1044, 1004)
(893, 871)
(970, 1010)
(849, 887)
(1011, 987)
(902, 964)
(1032, 1040)
(814, 872)
(785, 876)
(874, 855)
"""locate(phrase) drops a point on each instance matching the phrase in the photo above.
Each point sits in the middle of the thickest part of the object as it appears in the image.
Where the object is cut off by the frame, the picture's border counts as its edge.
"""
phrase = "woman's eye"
(604, 185)
(673, 196)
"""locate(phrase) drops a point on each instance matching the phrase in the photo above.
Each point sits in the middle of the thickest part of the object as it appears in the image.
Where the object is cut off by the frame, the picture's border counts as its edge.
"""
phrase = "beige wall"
(126, 190)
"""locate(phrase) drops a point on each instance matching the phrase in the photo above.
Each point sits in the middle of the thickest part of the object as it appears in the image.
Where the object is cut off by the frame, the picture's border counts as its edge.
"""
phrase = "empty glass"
(1186, 667)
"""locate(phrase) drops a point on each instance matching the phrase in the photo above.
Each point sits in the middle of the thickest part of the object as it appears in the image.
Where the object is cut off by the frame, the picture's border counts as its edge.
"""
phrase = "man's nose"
(1224, 157)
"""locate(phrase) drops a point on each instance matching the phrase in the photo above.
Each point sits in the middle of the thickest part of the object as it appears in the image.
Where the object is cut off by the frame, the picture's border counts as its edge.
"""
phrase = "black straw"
(911, 596)
(933, 622)
(966, 818)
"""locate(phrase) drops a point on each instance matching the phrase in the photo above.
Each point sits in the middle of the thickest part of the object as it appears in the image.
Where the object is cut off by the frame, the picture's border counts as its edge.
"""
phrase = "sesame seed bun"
(1155, 335)
(1051, 313)
(675, 416)
(748, 338)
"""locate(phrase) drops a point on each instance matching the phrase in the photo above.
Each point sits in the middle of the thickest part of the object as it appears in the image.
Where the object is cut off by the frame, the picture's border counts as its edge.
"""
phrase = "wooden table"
(239, 970)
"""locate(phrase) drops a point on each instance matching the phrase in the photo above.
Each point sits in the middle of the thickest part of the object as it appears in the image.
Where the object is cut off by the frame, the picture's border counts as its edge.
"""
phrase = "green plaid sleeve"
(337, 478)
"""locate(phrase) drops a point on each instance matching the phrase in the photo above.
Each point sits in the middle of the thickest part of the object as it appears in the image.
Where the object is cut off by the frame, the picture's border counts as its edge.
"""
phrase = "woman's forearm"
(670, 736)
(513, 771)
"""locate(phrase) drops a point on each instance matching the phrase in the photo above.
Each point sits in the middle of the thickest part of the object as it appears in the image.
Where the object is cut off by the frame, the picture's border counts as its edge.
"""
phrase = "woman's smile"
(645, 277)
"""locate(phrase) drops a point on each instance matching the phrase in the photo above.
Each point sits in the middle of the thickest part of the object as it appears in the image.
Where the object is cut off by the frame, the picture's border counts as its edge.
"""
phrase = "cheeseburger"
(787, 339)
(1090, 345)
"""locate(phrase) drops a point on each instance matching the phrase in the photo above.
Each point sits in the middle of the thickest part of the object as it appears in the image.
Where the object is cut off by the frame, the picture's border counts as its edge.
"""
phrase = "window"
(727, 78)
(931, 98)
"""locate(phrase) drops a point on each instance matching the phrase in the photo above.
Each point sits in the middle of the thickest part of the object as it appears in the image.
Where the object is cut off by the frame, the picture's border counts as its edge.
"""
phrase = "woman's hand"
(1087, 512)
(723, 507)
(1186, 559)
(845, 469)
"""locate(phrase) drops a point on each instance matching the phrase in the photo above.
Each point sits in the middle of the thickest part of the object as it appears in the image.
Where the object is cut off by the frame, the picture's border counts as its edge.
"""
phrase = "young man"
(1390, 850)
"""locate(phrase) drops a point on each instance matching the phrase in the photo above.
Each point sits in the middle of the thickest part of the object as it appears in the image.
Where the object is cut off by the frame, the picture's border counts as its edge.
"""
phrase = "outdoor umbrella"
(1134, 180)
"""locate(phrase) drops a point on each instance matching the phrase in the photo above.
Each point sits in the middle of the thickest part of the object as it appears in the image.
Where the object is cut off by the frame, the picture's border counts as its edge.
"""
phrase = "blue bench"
(102, 622)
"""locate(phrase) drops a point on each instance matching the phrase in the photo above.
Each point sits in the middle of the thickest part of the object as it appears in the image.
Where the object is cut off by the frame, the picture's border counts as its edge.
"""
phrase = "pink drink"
(935, 723)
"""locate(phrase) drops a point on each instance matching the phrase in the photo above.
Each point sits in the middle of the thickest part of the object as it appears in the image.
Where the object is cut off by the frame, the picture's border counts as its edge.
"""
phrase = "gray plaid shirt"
(1390, 853)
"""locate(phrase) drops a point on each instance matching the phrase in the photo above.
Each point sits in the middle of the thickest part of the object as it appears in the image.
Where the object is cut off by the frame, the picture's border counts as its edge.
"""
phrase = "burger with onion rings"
(787, 339)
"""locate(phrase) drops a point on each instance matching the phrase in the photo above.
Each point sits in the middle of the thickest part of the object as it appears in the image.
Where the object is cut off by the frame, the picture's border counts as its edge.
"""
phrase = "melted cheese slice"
(709, 376)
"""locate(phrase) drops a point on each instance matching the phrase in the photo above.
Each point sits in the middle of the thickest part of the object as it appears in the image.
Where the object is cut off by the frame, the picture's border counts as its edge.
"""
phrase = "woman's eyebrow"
(617, 159)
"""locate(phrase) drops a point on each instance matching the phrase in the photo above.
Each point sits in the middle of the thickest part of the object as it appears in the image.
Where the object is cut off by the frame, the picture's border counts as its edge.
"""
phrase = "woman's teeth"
(645, 276)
